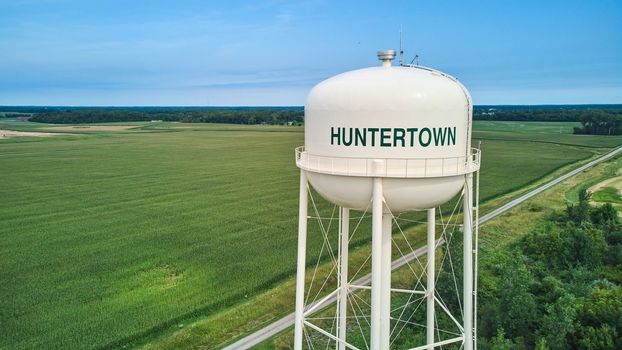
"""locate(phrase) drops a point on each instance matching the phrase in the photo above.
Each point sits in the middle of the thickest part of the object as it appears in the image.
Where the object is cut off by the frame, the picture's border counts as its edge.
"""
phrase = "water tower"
(393, 139)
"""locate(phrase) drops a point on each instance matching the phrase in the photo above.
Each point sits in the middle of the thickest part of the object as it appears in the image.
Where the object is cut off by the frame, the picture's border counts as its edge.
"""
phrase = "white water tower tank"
(410, 125)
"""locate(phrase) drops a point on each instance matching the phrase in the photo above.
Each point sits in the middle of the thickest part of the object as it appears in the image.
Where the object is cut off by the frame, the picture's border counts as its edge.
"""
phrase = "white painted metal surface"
(409, 183)
(342, 314)
(415, 120)
(390, 98)
(431, 257)
(467, 267)
(302, 253)
(376, 264)
(385, 282)
(399, 138)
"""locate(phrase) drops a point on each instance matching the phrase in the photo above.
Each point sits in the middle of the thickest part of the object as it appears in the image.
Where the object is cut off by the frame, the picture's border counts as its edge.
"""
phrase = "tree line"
(598, 120)
(549, 114)
(209, 115)
(601, 123)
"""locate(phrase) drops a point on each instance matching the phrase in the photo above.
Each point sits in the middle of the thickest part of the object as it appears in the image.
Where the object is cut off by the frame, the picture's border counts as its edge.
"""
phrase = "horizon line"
(287, 106)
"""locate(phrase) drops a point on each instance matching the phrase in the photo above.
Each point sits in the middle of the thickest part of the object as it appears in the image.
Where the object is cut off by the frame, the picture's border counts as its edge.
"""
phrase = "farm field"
(111, 237)
(526, 127)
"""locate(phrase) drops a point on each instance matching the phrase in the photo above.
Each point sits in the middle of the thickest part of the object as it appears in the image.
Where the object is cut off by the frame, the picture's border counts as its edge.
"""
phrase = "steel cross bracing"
(286, 322)
(321, 327)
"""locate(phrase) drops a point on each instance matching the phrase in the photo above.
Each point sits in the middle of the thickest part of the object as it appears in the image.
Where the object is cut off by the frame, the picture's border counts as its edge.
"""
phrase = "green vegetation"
(190, 115)
(14, 115)
(552, 113)
(526, 127)
(508, 166)
(108, 238)
(609, 173)
(601, 123)
(111, 238)
(559, 287)
(594, 119)
(553, 133)
(608, 195)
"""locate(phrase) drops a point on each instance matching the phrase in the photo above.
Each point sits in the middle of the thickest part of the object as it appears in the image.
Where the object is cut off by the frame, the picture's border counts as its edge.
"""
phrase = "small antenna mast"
(401, 49)
(416, 60)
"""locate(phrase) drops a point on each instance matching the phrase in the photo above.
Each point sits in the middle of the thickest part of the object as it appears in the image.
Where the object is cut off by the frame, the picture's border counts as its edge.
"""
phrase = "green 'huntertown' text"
(393, 137)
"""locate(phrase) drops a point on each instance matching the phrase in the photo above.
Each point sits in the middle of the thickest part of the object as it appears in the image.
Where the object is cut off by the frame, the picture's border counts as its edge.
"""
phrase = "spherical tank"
(409, 125)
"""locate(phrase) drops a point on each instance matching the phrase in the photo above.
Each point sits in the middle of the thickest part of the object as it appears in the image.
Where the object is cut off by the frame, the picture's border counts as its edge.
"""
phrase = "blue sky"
(211, 53)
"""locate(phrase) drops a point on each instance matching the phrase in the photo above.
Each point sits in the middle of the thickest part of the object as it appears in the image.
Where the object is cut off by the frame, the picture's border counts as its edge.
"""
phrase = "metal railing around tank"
(389, 167)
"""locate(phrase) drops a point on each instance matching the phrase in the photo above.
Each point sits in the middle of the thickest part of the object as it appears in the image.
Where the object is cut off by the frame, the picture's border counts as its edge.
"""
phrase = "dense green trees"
(601, 122)
(257, 115)
(558, 287)
(13, 115)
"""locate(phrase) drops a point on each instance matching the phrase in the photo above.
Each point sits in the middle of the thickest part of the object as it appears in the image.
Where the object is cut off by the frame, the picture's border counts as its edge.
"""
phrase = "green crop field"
(526, 127)
(546, 132)
(112, 237)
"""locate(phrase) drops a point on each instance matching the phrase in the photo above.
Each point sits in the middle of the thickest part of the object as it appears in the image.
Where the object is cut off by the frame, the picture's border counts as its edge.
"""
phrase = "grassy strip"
(607, 195)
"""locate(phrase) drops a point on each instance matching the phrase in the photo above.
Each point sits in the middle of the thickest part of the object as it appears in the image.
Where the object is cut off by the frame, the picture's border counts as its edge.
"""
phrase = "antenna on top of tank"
(416, 60)
(401, 48)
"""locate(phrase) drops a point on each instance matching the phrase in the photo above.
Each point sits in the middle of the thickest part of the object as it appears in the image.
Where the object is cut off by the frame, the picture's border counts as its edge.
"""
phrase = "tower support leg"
(376, 264)
(302, 252)
(385, 283)
(468, 262)
(431, 276)
(343, 277)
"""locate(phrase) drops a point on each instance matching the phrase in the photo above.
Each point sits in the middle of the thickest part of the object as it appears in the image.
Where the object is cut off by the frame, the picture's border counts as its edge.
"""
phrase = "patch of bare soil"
(5, 134)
